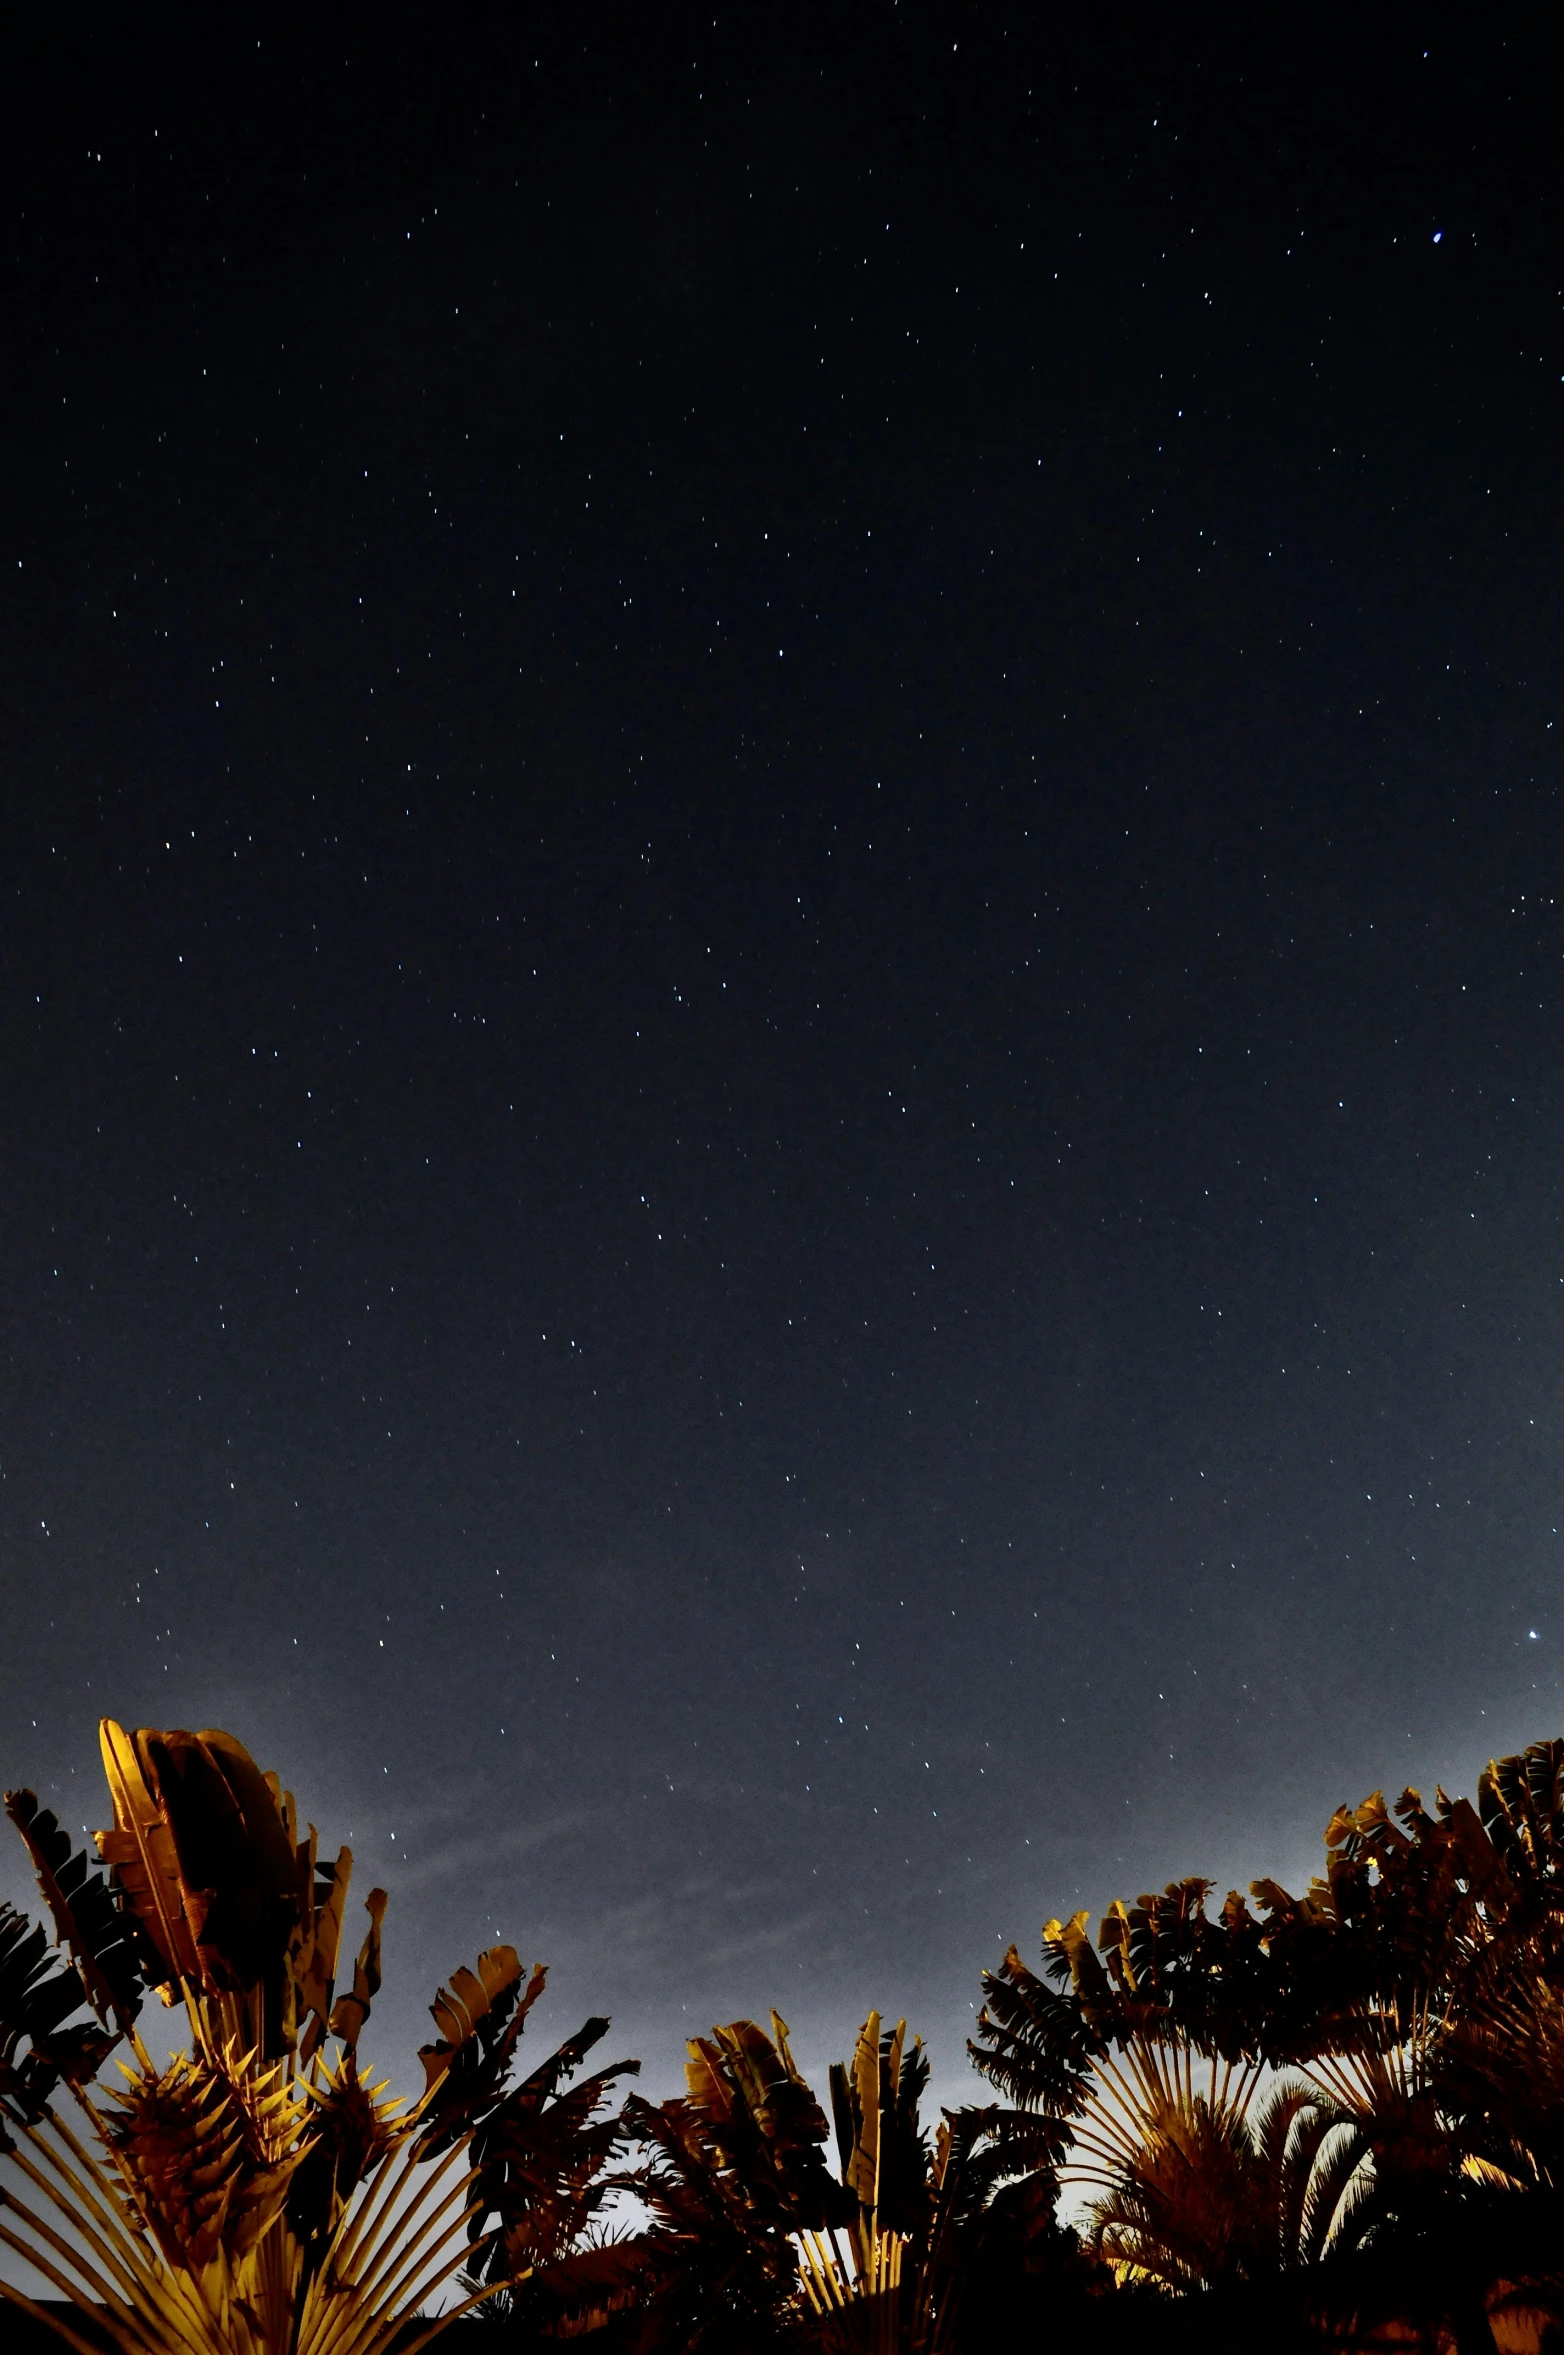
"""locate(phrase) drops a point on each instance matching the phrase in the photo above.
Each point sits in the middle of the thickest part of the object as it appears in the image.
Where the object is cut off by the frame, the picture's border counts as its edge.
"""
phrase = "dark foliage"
(38, 1997)
(1404, 2174)
(1418, 1985)
(104, 1942)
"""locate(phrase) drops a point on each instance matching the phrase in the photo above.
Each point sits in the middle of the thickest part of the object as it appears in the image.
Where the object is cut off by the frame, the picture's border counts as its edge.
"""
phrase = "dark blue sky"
(781, 982)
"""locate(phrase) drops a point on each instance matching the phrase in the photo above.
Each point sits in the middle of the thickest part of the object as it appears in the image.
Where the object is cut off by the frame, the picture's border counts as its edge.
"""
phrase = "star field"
(781, 978)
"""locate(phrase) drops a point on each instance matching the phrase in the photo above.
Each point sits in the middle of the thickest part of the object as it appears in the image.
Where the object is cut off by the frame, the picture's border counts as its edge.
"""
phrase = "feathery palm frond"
(38, 1997)
(718, 2272)
(1414, 1991)
(541, 2158)
(100, 1939)
(1223, 2187)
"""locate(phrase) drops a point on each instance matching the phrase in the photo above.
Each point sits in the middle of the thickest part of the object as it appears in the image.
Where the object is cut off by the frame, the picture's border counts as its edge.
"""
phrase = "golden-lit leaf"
(141, 1850)
(328, 1932)
(703, 2075)
(864, 2167)
(227, 2203)
(201, 1848)
(237, 1867)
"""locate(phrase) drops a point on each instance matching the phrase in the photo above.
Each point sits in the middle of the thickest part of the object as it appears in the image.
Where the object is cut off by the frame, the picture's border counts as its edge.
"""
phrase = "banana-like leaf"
(765, 2126)
(267, 2209)
(1411, 1982)
(875, 2101)
(740, 2241)
(577, 2294)
(992, 2194)
(141, 1851)
(100, 1938)
(541, 2157)
(317, 1939)
(720, 2268)
(201, 1847)
(207, 1858)
(862, 2173)
(237, 1865)
(480, 2016)
(1035, 2043)
(1521, 1801)
(250, 2198)
(349, 2012)
(180, 2247)
(473, 1998)
(330, 1897)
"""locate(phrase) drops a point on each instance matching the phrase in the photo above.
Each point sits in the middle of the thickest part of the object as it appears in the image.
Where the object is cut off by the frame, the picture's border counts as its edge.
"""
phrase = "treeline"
(1334, 2119)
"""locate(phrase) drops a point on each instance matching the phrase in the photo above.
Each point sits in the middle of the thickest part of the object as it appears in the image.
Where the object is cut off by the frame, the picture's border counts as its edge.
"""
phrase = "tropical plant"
(755, 2242)
(729, 2174)
(1415, 1997)
(256, 2194)
(1219, 2187)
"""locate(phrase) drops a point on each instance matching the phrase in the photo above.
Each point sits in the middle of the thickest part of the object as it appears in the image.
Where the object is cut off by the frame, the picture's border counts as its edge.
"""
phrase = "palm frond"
(100, 1940)
(256, 2195)
(38, 1996)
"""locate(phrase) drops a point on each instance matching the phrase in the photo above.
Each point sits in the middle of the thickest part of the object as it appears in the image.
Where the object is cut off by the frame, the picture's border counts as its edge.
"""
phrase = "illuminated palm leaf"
(1219, 2188)
(256, 2196)
(139, 2255)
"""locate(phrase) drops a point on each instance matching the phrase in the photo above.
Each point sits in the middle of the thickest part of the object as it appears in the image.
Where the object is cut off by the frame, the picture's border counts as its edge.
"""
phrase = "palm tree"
(256, 2194)
(1414, 1997)
(1215, 2191)
(755, 2242)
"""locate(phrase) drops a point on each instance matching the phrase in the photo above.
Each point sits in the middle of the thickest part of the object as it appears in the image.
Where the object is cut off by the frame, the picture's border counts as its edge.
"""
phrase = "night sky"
(780, 991)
